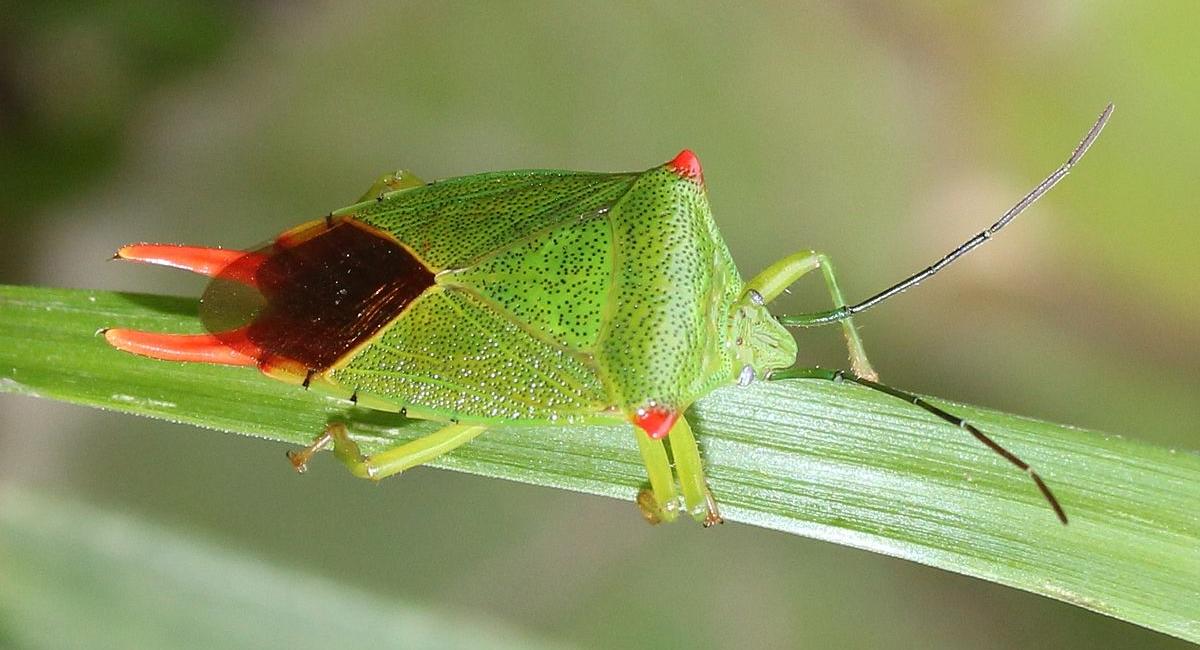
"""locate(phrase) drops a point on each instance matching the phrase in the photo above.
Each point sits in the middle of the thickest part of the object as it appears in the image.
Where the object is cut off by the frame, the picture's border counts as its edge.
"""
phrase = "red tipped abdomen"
(205, 348)
(296, 306)
(319, 293)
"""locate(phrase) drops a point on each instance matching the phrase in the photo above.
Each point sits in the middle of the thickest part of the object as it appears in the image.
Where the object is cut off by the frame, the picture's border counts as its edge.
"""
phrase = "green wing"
(450, 224)
(524, 263)
(452, 354)
(556, 282)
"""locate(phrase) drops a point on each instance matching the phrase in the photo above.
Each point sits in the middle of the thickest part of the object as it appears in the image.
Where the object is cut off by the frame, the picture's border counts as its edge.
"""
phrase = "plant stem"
(831, 461)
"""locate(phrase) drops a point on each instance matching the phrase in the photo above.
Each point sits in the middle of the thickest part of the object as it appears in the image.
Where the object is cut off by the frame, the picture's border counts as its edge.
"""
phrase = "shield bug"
(525, 297)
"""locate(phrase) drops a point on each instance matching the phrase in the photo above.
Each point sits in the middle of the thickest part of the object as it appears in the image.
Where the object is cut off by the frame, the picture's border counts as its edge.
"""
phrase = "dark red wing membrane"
(297, 305)
(315, 295)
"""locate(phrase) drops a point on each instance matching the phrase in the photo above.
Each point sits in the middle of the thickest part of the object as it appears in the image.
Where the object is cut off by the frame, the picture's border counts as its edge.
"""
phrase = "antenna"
(920, 402)
(842, 313)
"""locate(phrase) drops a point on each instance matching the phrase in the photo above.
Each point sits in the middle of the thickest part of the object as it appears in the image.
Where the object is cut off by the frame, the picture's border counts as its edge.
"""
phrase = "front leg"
(782, 274)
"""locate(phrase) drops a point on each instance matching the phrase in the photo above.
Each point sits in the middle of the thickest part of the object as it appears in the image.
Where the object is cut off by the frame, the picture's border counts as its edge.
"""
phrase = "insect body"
(529, 296)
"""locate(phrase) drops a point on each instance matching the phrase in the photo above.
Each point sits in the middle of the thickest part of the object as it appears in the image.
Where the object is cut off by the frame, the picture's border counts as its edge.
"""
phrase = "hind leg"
(389, 461)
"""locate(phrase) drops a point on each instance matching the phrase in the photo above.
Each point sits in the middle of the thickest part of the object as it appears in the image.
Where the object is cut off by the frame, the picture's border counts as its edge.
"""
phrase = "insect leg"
(696, 496)
(399, 180)
(659, 503)
(391, 461)
(782, 274)
(920, 402)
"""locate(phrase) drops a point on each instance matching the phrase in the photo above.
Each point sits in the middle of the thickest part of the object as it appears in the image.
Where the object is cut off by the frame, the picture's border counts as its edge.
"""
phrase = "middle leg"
(660, 502)
(697, 498)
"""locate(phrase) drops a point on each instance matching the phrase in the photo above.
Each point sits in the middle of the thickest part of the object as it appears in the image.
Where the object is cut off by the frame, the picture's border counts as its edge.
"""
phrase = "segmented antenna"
(920, 402)
(842, 313)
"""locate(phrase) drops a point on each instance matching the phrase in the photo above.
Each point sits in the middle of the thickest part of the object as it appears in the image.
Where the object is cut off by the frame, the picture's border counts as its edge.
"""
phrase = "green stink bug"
(525, 296)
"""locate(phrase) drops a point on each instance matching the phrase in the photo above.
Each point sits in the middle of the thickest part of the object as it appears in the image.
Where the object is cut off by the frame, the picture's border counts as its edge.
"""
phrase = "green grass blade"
(76, 577)
(834, 462)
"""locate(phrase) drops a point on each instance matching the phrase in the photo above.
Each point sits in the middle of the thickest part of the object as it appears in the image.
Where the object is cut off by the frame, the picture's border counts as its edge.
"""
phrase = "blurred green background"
(882, 134)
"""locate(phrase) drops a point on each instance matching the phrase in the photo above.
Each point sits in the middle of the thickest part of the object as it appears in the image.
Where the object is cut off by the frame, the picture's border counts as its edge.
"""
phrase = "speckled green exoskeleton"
(521, 297)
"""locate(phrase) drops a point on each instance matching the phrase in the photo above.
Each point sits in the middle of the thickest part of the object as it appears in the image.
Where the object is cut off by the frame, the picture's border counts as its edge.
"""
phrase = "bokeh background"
(880, 133)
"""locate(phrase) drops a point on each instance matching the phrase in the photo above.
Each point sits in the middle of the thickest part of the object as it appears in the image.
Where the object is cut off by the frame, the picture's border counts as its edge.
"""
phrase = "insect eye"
(746, 375)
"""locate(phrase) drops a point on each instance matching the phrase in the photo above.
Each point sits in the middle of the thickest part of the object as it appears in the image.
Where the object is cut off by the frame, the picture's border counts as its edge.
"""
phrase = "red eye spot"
(687, 165)
(656, 421)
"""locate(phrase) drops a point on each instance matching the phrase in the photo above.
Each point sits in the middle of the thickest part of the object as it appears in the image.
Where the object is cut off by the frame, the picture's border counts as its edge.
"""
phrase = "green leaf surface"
(831, 461)
(76, 577)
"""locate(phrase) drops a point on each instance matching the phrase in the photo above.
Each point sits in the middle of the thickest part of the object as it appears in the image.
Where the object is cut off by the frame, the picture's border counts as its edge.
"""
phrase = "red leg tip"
(205, 261)
(656, 421)
(687, 165)
(204, 348)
